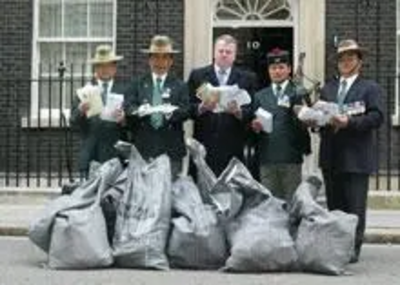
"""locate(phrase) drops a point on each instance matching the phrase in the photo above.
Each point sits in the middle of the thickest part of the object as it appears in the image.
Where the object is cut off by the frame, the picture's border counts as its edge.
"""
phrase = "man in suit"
(347, 155)
(222, 133)
(281, 151)
(159, 133)
(98, 135)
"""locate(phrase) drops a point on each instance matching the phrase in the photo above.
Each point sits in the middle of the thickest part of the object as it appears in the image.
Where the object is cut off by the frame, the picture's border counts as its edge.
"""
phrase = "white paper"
(266, 119)
(222, 95)
(114, 102)
(321, 112)
(92, 95)
(147, 109)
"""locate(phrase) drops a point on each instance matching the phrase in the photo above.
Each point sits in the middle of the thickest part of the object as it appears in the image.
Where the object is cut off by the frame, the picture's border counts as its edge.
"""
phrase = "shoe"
(354, 258)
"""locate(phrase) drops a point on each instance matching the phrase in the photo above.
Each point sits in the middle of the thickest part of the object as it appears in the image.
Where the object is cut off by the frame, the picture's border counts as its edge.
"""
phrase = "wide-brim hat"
(161, 44)
(349, 45)
(105, 54)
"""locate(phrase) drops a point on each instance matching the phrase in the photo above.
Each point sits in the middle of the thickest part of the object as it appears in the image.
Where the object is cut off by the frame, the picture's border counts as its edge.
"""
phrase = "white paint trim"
(396, 116)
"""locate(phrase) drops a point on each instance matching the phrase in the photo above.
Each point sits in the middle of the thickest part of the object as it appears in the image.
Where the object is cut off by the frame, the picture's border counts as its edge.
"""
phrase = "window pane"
(49, 93)
(75, 19)
(101, 19)
(77, 56)
(50, 56)
(50, 18)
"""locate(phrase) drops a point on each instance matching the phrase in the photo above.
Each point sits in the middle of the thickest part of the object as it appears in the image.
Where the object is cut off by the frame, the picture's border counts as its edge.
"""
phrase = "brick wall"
(152, 17)
(373, 24)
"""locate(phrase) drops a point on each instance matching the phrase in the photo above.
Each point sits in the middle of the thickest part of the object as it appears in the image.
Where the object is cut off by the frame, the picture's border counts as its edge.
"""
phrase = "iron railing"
(39, 149)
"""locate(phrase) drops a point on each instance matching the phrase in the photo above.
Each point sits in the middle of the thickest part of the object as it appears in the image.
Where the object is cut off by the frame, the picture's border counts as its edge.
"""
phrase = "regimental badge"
(284, 101)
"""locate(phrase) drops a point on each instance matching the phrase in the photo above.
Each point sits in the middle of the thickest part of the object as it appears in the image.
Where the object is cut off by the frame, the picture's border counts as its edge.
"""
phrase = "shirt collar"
(350, 80)
(282, 84)
(110, 83)
(227, 70)
(162, 77)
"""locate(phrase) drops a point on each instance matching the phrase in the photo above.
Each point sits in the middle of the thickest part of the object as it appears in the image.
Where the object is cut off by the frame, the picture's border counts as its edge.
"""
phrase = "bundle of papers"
(223, 95)
(91, 95)
(321, 112)
(147, 109)
(114, 102)
(266, 119)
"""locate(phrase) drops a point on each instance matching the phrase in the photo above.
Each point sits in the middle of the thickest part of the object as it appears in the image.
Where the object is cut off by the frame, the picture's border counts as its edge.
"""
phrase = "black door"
(255, 43)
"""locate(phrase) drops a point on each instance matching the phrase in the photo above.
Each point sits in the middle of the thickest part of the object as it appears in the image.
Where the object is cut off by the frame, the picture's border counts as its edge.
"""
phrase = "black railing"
(39, 149)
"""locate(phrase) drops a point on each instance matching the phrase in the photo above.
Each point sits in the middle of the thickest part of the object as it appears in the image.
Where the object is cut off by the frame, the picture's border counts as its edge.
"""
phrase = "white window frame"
(396, 115)
(51, 117)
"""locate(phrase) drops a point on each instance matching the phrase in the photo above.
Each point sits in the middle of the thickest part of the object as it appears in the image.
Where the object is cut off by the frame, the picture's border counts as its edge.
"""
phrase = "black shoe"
(354, 258)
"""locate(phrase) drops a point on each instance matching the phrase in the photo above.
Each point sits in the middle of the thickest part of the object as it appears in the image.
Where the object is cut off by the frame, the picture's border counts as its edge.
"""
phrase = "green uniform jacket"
(97, 136)
(167, 139)
(289, 139)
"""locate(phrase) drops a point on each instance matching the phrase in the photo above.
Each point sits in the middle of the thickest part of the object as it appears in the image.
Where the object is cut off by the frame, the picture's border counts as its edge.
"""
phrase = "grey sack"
(324, 240)
(257, 224)
(79, 234)
(197, 239)
(143, 215)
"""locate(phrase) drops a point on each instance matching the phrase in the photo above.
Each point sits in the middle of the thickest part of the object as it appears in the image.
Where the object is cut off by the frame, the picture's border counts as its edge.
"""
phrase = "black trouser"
(348, 192)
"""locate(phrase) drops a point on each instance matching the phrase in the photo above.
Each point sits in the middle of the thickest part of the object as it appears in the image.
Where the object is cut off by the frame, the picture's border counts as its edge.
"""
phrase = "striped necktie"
(342, 94)
(157, 118)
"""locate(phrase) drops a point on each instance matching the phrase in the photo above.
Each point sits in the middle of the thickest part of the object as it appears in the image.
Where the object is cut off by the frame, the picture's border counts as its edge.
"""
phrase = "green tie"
(104, 92)
(278, 91)
(157, 118)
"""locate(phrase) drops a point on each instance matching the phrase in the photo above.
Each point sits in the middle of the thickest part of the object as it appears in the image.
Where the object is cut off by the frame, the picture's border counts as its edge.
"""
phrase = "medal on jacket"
(354, 108)
(284, 101)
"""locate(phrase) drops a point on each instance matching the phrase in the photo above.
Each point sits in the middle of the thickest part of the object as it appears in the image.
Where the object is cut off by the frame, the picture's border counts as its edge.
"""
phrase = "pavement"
(22, 263)
(18, 207)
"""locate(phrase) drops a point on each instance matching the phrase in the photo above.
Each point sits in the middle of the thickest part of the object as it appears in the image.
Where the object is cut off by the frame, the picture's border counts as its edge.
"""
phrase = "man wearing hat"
(159, 133)
(281, 151)
(347, 155)
(98, 136)
(222, 133)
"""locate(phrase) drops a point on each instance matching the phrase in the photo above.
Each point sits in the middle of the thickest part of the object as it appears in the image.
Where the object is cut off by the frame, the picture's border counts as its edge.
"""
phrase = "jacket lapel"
(352, 91)
(233, 77)
(146, 89)
(211, 76)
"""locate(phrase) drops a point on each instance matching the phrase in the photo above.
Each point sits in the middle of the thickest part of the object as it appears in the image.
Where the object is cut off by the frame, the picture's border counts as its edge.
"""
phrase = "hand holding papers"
(113, 103)
(223, 95)
(91, 95)
(266, 120)
(147, 109)
(320, 113)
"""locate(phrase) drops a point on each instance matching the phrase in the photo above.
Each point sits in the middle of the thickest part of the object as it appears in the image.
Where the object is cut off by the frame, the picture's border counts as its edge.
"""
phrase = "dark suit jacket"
(98, 137)
(169, 138)
(351, 149)
(290, 139)
(222, 134)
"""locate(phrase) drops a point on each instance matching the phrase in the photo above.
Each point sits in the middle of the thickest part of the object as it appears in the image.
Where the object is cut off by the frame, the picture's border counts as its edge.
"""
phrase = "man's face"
(224, 54)
(349, 63)
(105, 71)
(160, 63)
(279, 72)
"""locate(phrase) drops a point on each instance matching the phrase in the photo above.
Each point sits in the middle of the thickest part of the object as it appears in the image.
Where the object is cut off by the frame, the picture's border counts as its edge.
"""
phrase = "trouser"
(348, 192)
(176, 168)
(281, 179)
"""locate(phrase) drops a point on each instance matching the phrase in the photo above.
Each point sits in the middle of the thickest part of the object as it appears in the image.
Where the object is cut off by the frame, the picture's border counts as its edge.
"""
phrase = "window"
(67, 31)
(252, 10)
(396, 116)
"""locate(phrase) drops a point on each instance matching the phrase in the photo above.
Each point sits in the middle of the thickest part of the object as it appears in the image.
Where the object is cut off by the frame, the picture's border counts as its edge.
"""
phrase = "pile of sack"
(130, 214)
